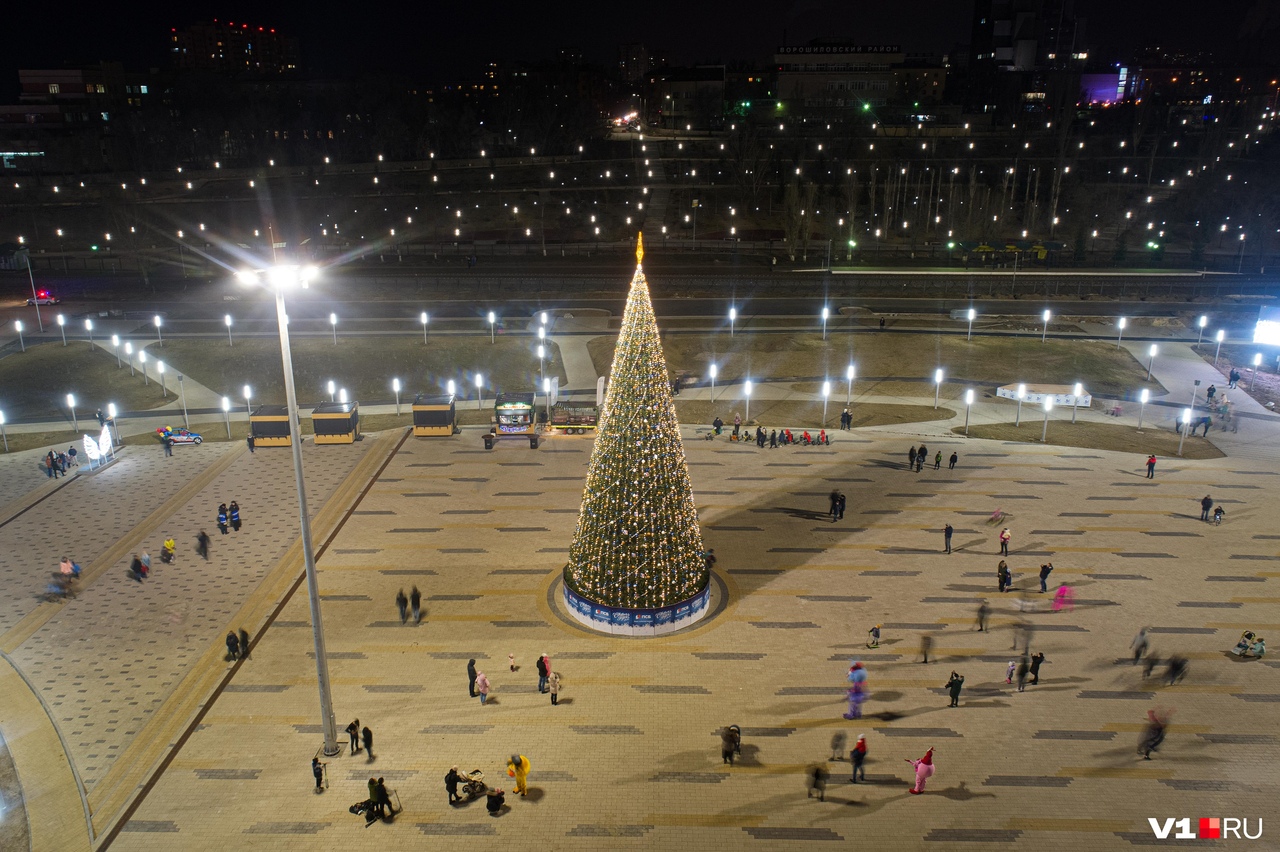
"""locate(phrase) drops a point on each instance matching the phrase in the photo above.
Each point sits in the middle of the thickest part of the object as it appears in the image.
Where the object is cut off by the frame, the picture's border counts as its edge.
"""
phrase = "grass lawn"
(364, 365)
(1103, 368)
(804, 414)
(35, 383)
(1098, 436)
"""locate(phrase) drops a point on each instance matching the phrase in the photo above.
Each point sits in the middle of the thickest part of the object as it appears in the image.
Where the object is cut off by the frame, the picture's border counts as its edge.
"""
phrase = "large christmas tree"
(637, 544)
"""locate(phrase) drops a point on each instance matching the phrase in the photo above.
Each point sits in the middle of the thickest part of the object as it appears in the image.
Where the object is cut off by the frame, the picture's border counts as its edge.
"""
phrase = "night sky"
(434, 40)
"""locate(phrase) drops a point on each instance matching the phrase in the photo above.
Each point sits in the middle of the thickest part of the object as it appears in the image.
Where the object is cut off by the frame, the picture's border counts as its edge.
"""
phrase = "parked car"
(173, 436)
(43, 297)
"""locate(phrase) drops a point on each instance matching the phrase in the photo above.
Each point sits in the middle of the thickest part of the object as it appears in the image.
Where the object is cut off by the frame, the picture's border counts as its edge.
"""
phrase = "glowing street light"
(111, 418)
(342, 395)
(542, 352)
(88, 327)
(546, 399)
(395, 386)
(226, 415)
(968, 403)
(1044, 334)
(711, 371)
(937, 387)
(248, 395)
(62, 327)
(1152, 352)
(1022, 394)
(826, 394)
(164, 390)
(182, 393)
(333, 388)
(1075, 399)
(1120, 324)
(4, 433)
(17, 326)
(1257, 366)
(1048, 406)
(333, 322)
(825, 313)
(1142, 406)
(492, 319)
(142, 360)
(227, 319)
(71, 404)
(972, 315)
(424, 319)
(733, 319)
(849, 374)
(1222, 335)
(1203, 321)
(128, 355)
(159, 336)
(451, 387)
(746, 394)
(1186, 427)
(479, 391)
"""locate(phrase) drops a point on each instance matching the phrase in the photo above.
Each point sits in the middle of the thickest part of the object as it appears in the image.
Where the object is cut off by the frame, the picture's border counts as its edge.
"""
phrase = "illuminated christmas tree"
(638, 544)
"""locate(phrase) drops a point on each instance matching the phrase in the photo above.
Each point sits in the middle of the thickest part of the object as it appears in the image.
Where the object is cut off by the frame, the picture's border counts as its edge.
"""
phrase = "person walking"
(135, 569)
(1005, 535)
(1152, 734)
(1064, 598)
(926, 645)
(924, 771)
(1206, 506)
(366, 736)
(234, 514)
(317, 769)
(837, 745)
(244, 643)
(233, 647)
(937, 461)
(911, 458)
(415, 603)
(402, 604)
(947, 532)
(471, 678)
(553, 682)
(1151, 466)
(1036, 661)
(1024, 666)
(71, 456)
(840, 504)
(1139, 645)
(1045, 570)
(518, 768)
(728, 743)
(835, 504)
(145, 559)
(773, 439)
(451, 781)
(494, 800)
(1008, 673)
(1003, 577)
(482, 687)
(983, 610)
(859, 756)
(818, 782)
(222, 518)
(249, 440)
(954, 684)
(1211, 393)
(955, 457)
(353, 731)
(384, 798)
(544, 671)
(873, 637)
(168, 447)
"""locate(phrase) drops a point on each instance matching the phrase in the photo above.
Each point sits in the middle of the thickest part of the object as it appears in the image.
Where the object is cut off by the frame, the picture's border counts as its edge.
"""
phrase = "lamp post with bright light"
(492, 320)
(159, 336)
(849, 373)
(968, 404)
(1022, 394)
(226, 415)
(972, 315)
(1186, 427)
(1222, 335)
(128, 354)
(1048, 406)
(479, 391)
(115, 345)
(1257, 365)
(248, 395)
(733, 319)
(227, 319)
(546, 400)
(746, 394)
(1202, 322)
(62, 327)
(826, 395)
(282, 277)
(825, 314)
(1142, 405)
(35, 298)
(937, 387)
(333, 389)
(333, 323)
(542, 353)
(342, 396)
(1045, 334)
(88, 327)
(1152, 352)
(4, 433)
(71, 405)
(182, 393)
(164, 389)
(395, 386)
(142, 361)
(424, 319)
(1120, 324)
(711, 371)
(111, 418)
(17, 326)
(1075, 399)
(451, 387)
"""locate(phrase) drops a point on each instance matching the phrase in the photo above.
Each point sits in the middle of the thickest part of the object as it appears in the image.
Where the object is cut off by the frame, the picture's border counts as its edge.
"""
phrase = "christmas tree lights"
(637, 544)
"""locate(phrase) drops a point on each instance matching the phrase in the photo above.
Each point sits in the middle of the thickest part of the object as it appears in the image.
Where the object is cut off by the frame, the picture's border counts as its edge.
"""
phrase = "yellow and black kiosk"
(336, 422)
(269, 426)
(434, 416)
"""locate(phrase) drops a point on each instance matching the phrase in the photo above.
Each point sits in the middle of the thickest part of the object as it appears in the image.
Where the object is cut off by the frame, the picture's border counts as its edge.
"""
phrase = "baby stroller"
(473, 784)
(365, 808)
(1246, 642)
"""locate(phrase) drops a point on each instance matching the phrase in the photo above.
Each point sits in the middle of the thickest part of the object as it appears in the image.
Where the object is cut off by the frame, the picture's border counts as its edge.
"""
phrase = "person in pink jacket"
(482, 686)
(924, 769)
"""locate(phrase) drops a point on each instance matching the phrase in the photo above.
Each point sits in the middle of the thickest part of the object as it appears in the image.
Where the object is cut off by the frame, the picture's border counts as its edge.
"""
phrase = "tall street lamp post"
(395, 386)
(4, 433)
(1152, 352)
(492, 320)
(142, 361)
(62, 327)
(1142, 405)
(35, 299)
(128, 354)
(849, 373)
(825, 314)
(1048, 406)
(826, 395)
(746, 394)
(333, 323)
(182, 393)
(1186, 427)
(733, 319)
(71, 404)
(972, 315)
(968, 404)
(711, 371)
(1222, 335)
(164, 388)
(937, 387)
(1075, 399)
(424, 319)
(282, 277)
(227, 319)
(1045, 333)
(88, 327)
(1022, 394)
(1120, 324)
(159, 336)
(226, 414)
(248, 395)
(1257, 367)
(479, 391)
(17, 326)
(1202, 322)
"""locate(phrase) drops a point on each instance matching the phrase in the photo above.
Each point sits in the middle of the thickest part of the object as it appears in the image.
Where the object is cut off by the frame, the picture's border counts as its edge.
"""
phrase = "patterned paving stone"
(1210, 604)
(587, 830)
(727, 655)
(387, 688)
(1258, 698)
(1138, 838)
(584, 655)
(1027, 781)
(607, 730)
(1199, 786)
(264, 688)
(228, 774)
(689, 777)
(779, 833)
(835, 598)
(784, 625)
(519, 623)
(919, 732)
(1239, 739)
(1185, 631)
(1101, 736)
(1116, 694)
(151, 826)
(811, 690)
(286, 828)
(973, 835)
(1235, 579)
(456, 730)
(875, 573)
(669, 689)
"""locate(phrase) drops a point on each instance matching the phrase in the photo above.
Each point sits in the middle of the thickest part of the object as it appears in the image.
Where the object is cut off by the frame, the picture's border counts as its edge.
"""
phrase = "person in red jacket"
(858, 756)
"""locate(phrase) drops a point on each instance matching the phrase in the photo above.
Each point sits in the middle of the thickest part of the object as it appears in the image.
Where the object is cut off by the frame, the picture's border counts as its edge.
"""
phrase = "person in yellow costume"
(518, 768)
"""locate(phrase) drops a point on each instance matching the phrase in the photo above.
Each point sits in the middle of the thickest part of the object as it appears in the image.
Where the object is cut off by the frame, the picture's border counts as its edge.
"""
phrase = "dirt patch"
(1098, 436)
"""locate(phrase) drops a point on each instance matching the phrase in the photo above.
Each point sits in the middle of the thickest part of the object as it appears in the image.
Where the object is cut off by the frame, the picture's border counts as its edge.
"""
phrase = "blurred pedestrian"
(482, 687)
(415, 603)
(402, 604)
(244, 643)
(837, 745)
(983, 610)
(926, 645)
(954, 684)
(202, 544)
(1139, 645)
(947, 532)
(353, 731)
(366, 736)
(553, 682)
(818, 782)
(233, 646)
(1024, 666)
(729, 739)
(317, 769)
(1036, 661)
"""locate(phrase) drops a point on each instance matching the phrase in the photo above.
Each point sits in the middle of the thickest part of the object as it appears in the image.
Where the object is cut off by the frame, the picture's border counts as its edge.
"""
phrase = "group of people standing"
(548, 679)
(57, 463)
(917, 457)
(228, 515)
